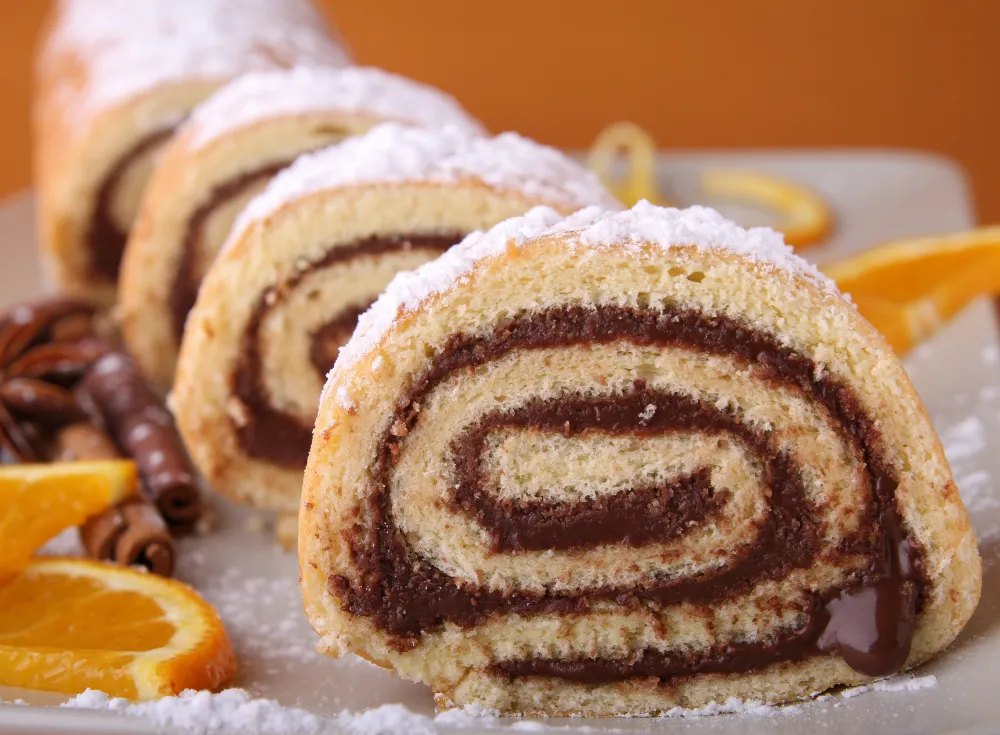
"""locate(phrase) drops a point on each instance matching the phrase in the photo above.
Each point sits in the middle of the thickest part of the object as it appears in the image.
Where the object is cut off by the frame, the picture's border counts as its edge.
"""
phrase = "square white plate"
(876, 195)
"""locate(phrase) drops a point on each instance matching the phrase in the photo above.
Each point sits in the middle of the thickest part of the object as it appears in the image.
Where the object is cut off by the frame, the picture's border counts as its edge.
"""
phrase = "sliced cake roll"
(624, 462)
(310, 254)
(114, 79)
(234, 143)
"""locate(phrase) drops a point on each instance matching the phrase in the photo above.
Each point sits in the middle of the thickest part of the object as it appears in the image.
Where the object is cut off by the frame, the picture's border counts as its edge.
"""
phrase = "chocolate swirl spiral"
(271, 432)
(743, 521)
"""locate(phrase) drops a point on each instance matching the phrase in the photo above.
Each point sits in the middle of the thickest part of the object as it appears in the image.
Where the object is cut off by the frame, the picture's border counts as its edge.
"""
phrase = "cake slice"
(313, 251)
(621, 462)
(229, 150)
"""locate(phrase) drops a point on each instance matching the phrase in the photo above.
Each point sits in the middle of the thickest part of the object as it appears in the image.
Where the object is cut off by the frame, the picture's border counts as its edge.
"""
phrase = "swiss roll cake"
(618, 462)
(114, 80)
(232, 145)
(312, 252)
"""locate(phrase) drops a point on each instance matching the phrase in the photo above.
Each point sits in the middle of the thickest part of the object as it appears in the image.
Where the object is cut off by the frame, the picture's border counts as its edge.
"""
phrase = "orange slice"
(37, 501)
(803, 216)
(908, 288)
(67, 625)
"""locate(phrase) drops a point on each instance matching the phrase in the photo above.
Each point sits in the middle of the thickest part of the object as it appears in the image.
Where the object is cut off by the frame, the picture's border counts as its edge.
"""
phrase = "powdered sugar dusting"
(358, 91)
(66, 543)
(232, 710)
(732, 706)
(130, 47)
(702, 227)
(344, 398)
(977, 491)
(263, 615)
(393, 153)
(388, 719)
(894, 684)
(964, 439)
(591, 227)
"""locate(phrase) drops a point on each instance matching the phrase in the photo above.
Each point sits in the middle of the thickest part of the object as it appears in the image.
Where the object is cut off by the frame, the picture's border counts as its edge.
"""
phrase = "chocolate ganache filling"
(325, 342)
(267, 432)
(184, 292)
(105, 239)
(868, 620)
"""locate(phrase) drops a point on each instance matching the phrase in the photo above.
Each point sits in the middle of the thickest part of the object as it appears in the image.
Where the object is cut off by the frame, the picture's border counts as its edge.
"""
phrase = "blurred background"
(916, 74)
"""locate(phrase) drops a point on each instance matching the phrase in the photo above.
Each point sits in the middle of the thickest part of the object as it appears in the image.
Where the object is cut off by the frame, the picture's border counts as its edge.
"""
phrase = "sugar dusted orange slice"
(67, 625)
(908, 288)
(37, 501)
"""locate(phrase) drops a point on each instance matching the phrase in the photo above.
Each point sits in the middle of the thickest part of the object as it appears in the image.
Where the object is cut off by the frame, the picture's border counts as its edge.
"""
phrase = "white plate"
(876, 196)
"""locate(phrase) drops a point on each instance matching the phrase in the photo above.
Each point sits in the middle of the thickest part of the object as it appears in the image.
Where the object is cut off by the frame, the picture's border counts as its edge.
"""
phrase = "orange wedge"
(67, 625)
(803, 217)
(37, 501)
(908, 288)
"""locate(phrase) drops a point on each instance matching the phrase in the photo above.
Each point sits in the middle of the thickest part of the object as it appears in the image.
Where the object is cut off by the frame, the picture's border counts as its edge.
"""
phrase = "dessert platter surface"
(876, 196)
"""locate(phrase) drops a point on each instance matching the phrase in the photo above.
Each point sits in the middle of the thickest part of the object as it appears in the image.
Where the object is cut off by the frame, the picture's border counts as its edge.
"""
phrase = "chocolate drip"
(406, 596)
(186, 281)
(106, 240)
(269, 433)
(141, 425)
(870, 625)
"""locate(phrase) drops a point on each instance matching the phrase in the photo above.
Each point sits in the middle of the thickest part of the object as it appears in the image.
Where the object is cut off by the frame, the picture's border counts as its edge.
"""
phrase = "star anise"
(45, 348)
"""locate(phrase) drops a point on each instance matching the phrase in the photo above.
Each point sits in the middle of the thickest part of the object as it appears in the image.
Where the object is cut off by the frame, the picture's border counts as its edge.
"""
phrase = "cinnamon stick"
(130, 533)
(83, 441)
(143, 427)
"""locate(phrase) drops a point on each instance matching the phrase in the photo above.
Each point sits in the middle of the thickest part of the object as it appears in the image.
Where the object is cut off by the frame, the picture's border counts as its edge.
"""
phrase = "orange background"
(696, 73)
